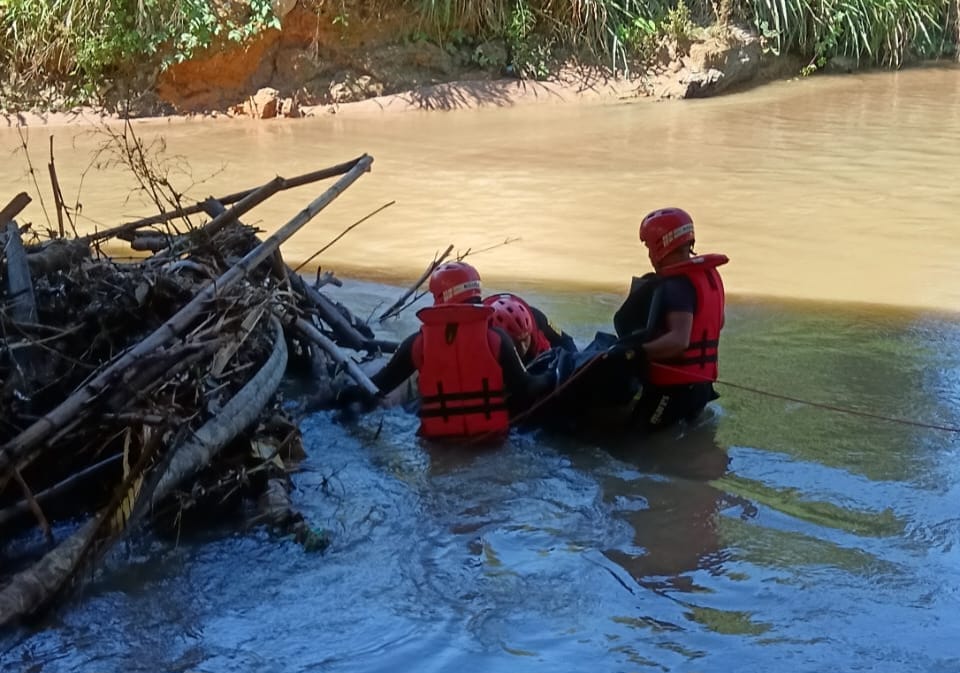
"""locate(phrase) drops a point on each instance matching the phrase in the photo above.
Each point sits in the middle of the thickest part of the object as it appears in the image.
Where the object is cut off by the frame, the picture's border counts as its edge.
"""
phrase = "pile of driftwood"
(133, 392)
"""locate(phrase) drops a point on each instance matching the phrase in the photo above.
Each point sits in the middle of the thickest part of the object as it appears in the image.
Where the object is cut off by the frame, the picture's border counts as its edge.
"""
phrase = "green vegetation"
(881, 32)
(79, 46)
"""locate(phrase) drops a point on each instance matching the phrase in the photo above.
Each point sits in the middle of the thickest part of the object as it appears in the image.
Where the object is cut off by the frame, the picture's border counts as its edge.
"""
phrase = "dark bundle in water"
(130, 393)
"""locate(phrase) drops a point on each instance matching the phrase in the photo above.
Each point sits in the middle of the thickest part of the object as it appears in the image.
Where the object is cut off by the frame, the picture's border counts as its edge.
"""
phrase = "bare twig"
(326, 278)
(342, 234)
(471, 251)
(400, 304)
(58, 196)
(34, 506)
(33, 173)
(56, 190)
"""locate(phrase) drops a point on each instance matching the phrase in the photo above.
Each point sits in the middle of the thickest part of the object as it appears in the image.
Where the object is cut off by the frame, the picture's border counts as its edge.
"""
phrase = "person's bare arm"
(674, 341)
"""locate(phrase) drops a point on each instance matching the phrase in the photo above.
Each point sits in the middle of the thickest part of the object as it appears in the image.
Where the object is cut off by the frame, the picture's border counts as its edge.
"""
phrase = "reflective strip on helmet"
(671, 236)
(449, 293)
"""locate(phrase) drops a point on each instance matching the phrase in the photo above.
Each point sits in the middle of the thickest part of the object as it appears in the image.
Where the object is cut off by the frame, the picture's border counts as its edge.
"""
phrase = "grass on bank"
(81, 46)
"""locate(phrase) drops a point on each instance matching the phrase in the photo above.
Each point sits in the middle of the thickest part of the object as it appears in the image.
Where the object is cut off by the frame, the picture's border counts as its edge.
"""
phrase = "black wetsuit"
(556, 338)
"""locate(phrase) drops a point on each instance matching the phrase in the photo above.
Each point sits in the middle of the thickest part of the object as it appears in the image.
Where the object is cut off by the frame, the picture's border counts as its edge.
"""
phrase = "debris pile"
(131, 393)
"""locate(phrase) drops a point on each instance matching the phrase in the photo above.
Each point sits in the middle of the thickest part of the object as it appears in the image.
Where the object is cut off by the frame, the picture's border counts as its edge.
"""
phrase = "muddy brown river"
(772, 535)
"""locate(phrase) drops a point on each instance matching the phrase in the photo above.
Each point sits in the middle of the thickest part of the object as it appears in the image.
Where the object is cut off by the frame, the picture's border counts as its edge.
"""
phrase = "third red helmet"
(511, 315)
(665, 230)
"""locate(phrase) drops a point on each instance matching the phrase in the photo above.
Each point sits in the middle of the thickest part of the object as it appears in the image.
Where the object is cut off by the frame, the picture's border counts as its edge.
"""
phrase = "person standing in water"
(669, 326)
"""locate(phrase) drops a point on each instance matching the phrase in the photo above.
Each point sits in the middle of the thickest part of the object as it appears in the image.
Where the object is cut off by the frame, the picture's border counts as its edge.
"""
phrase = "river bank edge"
(716, 62)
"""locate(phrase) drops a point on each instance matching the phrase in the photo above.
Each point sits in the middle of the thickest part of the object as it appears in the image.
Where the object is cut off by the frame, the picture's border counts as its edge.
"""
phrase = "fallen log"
(237, 414)
(78, 404)
(345, 332)
(29, 591)
(19, 282)
(23, 507)
(34, 588)
(37, 584)
(351, 367)
(12, 209)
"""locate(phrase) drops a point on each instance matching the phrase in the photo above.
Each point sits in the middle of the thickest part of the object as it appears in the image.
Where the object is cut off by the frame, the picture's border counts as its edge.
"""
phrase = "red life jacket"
(698, 363)
(460, 381)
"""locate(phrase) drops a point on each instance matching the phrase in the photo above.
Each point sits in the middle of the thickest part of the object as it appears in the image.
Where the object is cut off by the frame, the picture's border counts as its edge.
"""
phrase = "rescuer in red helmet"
(459, 282)
(470, 376)
(671, 322)
(531, 330)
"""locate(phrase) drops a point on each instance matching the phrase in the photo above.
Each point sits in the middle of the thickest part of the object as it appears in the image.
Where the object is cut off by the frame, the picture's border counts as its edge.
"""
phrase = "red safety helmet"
(513, 317)
(454, 283)
(665, 230)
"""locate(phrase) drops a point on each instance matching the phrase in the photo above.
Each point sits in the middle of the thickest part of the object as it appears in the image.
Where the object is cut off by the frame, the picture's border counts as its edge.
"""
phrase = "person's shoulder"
(679, 294)
(678, 283)
(542, 320)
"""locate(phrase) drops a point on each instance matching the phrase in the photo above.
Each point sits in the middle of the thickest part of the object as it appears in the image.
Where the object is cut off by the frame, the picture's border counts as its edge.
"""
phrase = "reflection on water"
(767, 535)
(831, 188)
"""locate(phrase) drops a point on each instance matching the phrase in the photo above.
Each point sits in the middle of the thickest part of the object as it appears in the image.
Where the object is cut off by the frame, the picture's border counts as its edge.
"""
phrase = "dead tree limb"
(328, 312)
(19, 509)
(12, 209)
(57, 194)
(29, 591)
(351, 367)
(253, 199)
(230, 199)
(79, 402)
(19, 282)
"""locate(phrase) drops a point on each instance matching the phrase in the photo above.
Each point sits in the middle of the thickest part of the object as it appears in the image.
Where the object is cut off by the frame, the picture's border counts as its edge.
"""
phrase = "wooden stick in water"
(398, 305)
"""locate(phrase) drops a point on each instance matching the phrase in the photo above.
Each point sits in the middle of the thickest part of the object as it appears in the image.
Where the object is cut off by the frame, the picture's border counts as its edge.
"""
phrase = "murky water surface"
(771, 536)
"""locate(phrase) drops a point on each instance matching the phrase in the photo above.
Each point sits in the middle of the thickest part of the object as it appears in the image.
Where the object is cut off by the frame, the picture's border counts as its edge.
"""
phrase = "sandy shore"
(574, 85)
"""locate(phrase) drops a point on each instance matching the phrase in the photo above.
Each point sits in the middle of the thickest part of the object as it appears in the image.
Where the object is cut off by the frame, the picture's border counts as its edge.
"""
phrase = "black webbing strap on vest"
(488, 401)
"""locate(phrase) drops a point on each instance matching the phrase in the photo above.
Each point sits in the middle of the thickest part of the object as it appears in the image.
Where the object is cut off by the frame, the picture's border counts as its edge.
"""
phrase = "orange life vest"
(460, 381)
(698, 363)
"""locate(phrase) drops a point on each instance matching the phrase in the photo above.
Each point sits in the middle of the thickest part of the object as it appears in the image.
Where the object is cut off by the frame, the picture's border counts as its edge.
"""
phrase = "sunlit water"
(841, 189)
(770, 536)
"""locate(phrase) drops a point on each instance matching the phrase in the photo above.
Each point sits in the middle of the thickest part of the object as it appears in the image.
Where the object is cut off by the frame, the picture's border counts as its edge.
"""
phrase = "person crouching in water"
(470, 378)
(531, 330)
(671, 322)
